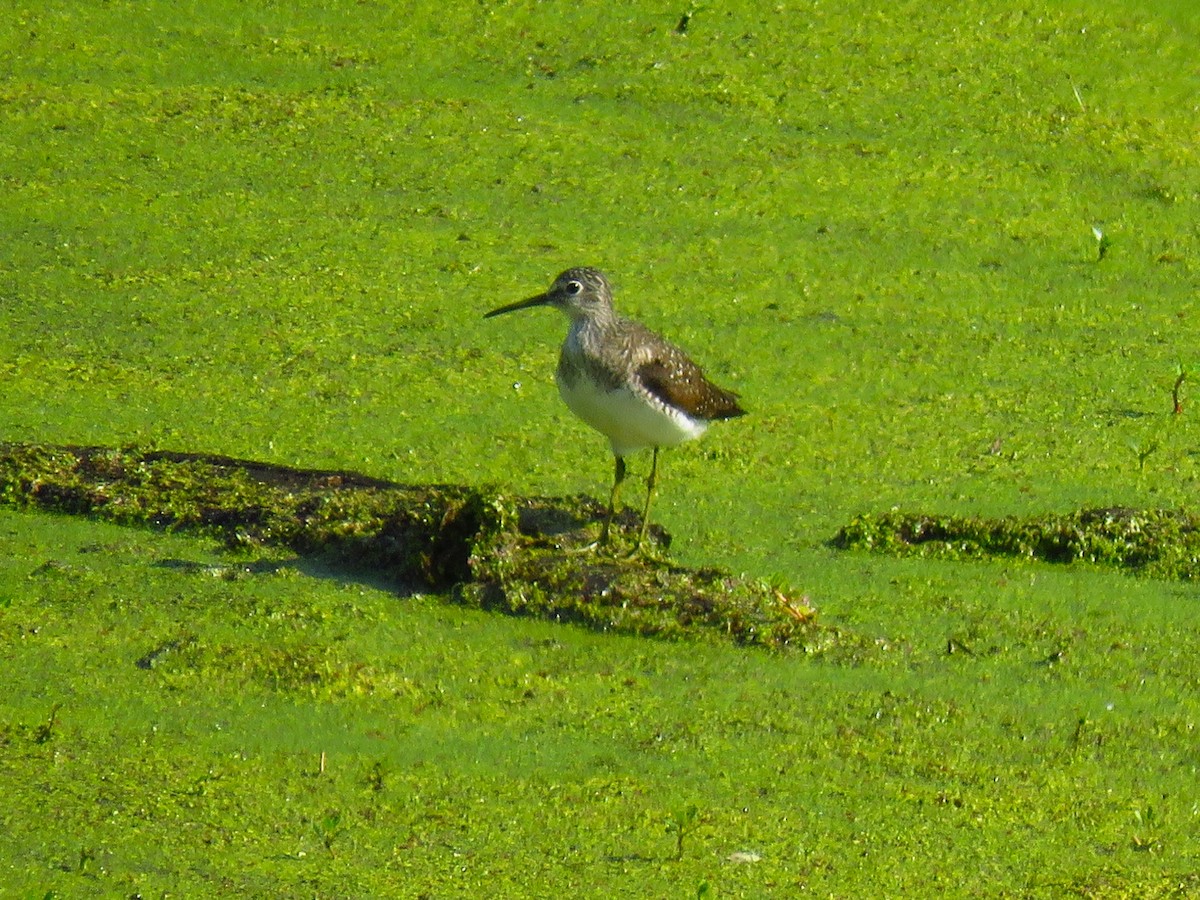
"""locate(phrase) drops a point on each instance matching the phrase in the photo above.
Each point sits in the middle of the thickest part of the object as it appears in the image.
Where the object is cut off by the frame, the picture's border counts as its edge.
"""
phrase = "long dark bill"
(539, 300)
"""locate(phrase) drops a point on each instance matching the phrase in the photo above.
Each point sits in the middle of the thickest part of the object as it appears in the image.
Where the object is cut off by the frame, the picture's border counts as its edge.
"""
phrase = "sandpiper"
(630, 384)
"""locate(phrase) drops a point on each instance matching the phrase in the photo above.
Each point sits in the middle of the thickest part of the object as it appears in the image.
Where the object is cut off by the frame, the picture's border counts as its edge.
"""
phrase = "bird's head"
(580, 293)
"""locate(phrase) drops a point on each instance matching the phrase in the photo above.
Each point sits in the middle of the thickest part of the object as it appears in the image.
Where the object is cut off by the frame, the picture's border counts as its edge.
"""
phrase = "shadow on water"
(340, 573)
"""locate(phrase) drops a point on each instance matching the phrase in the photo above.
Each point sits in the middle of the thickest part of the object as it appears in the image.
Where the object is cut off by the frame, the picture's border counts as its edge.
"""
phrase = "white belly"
(629, 421)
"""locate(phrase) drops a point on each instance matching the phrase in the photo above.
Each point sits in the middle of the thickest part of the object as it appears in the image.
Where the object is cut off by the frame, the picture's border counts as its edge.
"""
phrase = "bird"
(632, 385)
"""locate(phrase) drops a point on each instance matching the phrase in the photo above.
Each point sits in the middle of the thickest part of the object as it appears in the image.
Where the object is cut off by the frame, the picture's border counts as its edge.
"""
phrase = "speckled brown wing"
(671, 376)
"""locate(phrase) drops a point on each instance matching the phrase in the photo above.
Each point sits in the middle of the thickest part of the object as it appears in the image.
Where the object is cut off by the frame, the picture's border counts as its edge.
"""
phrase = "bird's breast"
(629, 416)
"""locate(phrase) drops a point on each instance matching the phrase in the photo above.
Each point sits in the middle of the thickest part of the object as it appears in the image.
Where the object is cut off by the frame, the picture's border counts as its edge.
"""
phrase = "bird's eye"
(574, 287)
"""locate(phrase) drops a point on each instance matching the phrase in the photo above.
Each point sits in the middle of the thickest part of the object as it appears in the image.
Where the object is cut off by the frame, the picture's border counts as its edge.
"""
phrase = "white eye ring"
(574, 287)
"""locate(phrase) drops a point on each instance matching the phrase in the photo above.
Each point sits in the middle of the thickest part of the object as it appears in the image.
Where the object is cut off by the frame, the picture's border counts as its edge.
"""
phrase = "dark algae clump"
(1159, 543)
(521, 556)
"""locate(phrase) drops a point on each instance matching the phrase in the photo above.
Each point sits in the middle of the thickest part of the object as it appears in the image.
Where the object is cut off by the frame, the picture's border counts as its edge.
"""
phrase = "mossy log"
(480, 547)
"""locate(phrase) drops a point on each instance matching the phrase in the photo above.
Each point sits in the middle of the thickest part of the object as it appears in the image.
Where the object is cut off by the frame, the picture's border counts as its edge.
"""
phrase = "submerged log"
(478, 546)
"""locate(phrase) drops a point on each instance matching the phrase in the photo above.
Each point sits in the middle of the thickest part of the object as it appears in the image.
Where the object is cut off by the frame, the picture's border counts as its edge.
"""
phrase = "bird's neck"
(591, 329)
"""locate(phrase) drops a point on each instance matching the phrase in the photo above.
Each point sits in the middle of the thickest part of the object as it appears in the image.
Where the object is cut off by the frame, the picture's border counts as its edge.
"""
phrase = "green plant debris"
(1160, 543)
(679, 824)
(519, 556)
(270, 231)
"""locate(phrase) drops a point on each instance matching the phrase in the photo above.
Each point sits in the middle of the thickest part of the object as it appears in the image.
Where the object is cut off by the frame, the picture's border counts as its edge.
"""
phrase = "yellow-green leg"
(613, 497)
(650, 482)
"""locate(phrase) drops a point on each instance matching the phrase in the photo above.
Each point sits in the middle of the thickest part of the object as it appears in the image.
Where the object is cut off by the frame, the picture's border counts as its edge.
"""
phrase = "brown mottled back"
(679, 382)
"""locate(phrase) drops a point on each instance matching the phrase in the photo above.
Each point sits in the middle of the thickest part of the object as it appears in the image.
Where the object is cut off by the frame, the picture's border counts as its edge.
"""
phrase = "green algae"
(1158, 543)
(521, 556)
(270, 231)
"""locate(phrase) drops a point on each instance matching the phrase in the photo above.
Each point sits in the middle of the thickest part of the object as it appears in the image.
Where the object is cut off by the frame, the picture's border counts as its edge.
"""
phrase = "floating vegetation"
(521, 556)
(1160, 543)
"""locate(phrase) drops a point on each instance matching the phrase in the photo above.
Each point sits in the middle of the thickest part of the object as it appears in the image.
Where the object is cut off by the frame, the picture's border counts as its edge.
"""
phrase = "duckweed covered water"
(948, 258)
